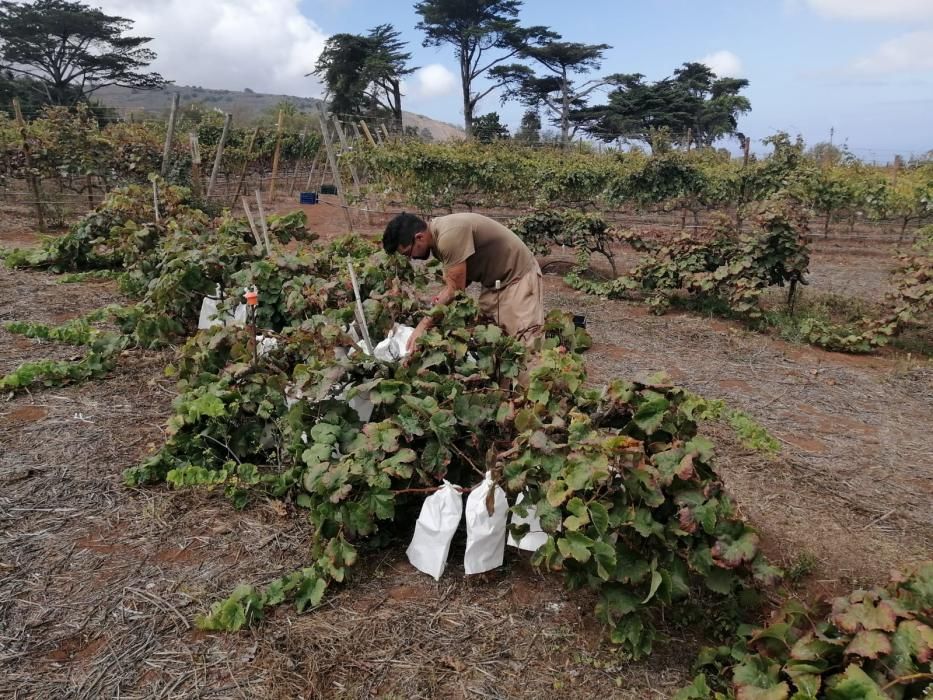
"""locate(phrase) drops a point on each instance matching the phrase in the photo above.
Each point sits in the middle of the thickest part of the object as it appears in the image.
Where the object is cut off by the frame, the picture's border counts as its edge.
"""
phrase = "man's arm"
(455, 277)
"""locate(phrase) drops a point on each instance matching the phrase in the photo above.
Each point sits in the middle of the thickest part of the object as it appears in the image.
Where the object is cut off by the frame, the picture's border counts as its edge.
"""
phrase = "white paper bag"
(265, 345)
(210, 318)
(535, 537)
(434, 529)
(485, 545)
(393, 348)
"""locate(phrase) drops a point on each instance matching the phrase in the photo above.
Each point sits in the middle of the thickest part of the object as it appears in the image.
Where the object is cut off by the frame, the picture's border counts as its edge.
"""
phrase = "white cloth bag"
(535, 537)
(209, 318)
(434, 529)
(485, 546)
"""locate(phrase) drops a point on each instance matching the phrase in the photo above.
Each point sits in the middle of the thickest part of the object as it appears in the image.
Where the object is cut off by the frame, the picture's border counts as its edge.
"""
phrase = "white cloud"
(879, 10)
(265, 45)
(434, 80)
(724, 64)
(909, 53)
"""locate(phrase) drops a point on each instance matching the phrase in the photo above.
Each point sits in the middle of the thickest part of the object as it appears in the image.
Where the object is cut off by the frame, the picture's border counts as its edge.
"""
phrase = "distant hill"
(244, 105)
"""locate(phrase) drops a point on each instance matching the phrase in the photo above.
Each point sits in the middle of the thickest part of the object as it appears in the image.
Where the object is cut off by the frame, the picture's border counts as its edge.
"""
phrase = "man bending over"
(475, 248)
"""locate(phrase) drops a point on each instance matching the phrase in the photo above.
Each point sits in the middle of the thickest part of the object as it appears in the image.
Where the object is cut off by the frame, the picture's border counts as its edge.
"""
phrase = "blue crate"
(307, 197)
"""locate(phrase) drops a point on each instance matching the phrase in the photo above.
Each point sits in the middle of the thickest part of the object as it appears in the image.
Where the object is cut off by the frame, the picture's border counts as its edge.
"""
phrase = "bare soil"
(100, 585)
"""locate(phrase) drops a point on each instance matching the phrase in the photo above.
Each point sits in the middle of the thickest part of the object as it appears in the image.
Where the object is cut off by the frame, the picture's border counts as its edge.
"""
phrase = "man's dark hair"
(401, 231)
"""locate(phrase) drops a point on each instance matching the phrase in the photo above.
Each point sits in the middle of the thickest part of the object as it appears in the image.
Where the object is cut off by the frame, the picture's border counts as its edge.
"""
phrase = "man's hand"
(417, 333)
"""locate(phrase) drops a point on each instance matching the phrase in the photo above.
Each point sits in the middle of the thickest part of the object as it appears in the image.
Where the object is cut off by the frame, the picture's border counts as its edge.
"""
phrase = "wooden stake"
(195, 164)
(249, 152)
(27, 157)
(294, 178)
(344, 145)
(385, 132)
(169, 136)
(746, 147)
(220, 153)
(262, 222)
(275, 157)
(252, 224)
(317, 157)
(360, 316)
(155, 202)
(369, 136)
(689, 139)
(332, 160)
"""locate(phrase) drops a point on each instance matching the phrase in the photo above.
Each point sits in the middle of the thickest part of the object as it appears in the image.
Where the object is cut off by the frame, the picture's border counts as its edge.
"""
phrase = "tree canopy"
(556, 89)
(487, 128)
(68, 50)
(363, 73)
(694, 104)
(484, 33)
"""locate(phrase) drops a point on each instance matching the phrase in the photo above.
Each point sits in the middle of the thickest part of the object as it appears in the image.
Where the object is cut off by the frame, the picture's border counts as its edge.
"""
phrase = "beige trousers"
(519, 307)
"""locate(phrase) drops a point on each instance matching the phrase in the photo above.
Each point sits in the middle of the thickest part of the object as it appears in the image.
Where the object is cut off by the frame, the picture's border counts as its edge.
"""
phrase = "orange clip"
(252, 298)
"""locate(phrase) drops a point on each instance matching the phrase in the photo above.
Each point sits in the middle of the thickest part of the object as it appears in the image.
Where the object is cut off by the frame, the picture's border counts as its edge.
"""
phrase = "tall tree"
(693, 101)
(476, 29)
(529, 131)
(487, 128)
(556, 89)
(69, 50)
(363, 74)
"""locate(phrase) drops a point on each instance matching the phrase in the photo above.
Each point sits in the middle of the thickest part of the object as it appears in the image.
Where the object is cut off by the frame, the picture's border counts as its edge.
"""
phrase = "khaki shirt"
(491, 251)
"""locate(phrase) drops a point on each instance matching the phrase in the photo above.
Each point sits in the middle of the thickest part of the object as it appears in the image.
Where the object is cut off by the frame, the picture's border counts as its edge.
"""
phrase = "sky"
(861, 68)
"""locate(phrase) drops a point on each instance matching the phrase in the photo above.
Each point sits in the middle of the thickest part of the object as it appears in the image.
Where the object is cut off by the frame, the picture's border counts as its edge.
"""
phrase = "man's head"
(407, 234)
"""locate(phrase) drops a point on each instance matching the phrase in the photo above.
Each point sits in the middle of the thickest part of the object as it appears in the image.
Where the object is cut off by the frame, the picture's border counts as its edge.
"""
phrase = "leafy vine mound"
(166, 267)
(734, 270)
(869, 645)
(909, 304)
(585, 233)
(619, 477)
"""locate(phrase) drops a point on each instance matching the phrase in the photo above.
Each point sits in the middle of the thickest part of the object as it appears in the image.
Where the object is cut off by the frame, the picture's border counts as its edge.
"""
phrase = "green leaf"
(574, 545)
(870, 644)
(732, 552)
(615, 602)
(697, 690)
(757, 678)
(656, 579)
(651, 413)
(720, 581)
(853, 617)
(854, 684)
(604, 554)
(310, 592)
(557, 493)
(599, 515)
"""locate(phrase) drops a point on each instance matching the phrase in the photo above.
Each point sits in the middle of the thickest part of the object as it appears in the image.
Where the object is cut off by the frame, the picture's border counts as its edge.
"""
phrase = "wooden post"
(369, 136)
(332, 160)
(344, 145)
(195, 164)
(293, 182)
(220, 153)
(155, 202)
(27, 157)
(276, 155)
(689, 139)
(356, 132)
(89, 181)
(385, 132)
(169, 135)
(317, 157)
(252, 224)
(249, 152)
(262, 222)
(746, 147)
